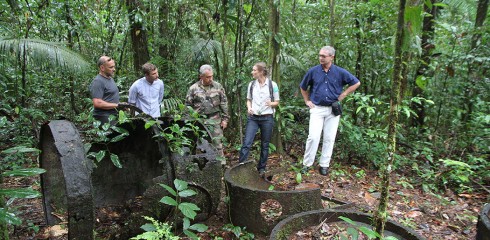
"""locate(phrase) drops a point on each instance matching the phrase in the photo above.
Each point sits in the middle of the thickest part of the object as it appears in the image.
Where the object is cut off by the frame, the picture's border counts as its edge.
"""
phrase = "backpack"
(270, 90)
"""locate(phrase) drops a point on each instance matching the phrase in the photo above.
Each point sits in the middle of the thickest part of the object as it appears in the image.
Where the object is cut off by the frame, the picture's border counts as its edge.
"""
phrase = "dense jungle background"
(422, 111)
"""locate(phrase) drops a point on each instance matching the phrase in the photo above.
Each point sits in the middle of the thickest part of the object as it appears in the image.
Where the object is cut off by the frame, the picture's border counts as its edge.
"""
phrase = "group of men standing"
(321, 88)
(146, 93)
(206, 96)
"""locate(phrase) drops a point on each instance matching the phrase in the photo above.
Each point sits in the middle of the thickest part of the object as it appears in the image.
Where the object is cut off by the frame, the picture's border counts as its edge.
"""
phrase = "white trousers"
(321, 118)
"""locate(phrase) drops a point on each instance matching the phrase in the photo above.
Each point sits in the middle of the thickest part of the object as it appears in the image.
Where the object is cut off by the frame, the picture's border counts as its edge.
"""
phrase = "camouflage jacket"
(208, 101)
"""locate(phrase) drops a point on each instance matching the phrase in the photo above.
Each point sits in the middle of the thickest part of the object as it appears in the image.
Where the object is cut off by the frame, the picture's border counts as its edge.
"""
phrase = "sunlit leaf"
(180, 185)
(348, 220)
(421, 82)
(148, 227)
(25, 172)
(115, 160)
(9, 218)
(118, 138)
(199, 227)
(247, 8)
(187, 193)
(189, 209)
(299, 178)
(369, 232)
(169, 201)
(190, 234)
(20, 149)
(237, 230)
(100, 155)
(150, 123)
(169, 189)
(186, 223)
(122, 117)
(120, 130)
(20, 193)
(149, 235)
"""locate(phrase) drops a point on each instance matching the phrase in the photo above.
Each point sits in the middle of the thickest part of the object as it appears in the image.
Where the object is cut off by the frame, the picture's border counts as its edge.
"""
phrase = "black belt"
(263, 115)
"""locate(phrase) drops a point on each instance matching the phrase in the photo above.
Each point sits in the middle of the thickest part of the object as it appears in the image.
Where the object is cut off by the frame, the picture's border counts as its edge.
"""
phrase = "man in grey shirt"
(105, 94)
(146, 93)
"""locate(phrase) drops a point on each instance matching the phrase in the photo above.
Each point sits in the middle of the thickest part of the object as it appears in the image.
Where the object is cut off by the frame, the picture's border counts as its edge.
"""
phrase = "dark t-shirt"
(106, 90)
(325, 87)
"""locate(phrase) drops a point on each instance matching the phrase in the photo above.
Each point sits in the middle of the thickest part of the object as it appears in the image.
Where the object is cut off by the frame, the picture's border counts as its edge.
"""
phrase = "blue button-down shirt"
(146, 96)
(326, 87)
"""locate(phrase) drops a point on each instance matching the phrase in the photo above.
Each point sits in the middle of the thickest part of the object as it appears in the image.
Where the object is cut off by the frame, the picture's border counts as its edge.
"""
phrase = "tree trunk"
(481, 15)
(332, 23)
(125, 42)
(274, 58)
(427, 47)
(164, 33)
(236, 97)
(240, 47)
(360, 44)
(381, 214)
(71, 78)
(474, 76)
(24, 80)
(139, 37)
(112, 27)
(223, 17)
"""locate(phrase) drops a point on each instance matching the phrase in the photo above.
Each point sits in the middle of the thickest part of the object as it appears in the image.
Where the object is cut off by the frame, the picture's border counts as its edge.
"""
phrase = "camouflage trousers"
(214, 126)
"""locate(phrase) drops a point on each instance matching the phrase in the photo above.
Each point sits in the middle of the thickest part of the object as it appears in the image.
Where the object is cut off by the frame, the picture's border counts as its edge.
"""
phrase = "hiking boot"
(323, 171)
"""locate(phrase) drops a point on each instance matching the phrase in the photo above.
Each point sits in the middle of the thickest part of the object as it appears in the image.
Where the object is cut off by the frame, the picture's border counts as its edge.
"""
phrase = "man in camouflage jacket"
(208, 98)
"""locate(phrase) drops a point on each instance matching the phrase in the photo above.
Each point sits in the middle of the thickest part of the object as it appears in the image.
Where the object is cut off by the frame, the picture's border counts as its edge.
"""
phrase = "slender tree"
(381, 214)
(427, 46)
(241, 44)
(70, 35)
(481, 15)
(332, 22)
(274, 53)
(474, 78)
(139, 38)
(164, 43)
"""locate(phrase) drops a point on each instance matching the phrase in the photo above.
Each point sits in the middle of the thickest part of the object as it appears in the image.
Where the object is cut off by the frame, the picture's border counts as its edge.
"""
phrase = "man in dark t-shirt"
(104, 92)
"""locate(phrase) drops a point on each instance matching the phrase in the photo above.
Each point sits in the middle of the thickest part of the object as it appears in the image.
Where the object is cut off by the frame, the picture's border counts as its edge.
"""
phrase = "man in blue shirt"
(147, 92)
(321, 87)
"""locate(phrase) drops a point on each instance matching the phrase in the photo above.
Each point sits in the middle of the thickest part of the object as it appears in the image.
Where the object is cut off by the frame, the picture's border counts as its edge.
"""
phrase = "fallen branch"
(479, 184)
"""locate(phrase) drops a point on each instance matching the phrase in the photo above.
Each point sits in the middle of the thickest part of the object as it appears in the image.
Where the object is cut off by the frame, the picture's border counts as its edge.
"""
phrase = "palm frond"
(171, 104)
(205, 49)
(462, 6)
(40, 51)
(290, 61)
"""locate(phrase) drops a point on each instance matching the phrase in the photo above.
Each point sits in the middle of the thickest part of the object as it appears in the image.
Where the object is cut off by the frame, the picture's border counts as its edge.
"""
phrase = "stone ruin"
(74, 187)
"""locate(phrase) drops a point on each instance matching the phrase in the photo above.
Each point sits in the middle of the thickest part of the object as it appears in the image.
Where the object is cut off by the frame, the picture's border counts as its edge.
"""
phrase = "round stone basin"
(289, 226)
(483, 226)
(249, 193)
